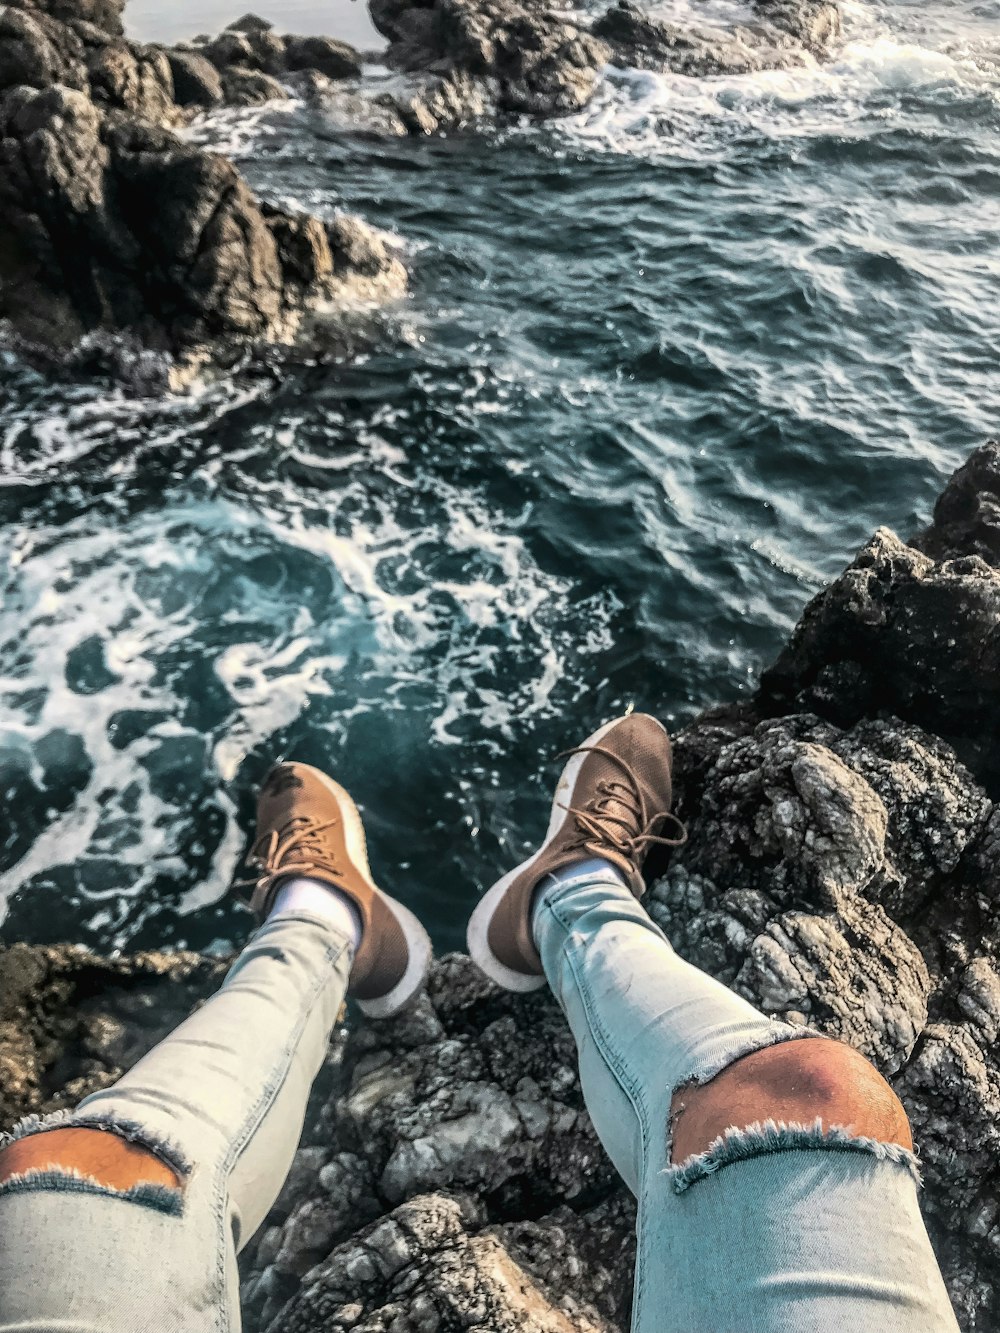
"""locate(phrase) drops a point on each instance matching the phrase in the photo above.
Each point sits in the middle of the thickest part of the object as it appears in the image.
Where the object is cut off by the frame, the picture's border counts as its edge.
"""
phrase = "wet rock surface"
(111, 223)
(841, 871)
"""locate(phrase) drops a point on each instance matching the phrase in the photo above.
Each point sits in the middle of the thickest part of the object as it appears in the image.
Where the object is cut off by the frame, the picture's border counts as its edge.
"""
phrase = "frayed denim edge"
(130, 1130)
(768, 1137)
(68, 1180)
(780, 1032)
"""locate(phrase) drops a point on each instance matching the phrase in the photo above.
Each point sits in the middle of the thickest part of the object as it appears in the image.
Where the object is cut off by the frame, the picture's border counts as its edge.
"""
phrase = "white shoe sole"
(477, 935)
(418, 943)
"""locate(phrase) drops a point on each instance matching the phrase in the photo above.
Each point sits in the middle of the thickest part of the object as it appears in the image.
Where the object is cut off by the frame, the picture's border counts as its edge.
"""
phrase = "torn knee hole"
(98, 1156)
(816, 1083)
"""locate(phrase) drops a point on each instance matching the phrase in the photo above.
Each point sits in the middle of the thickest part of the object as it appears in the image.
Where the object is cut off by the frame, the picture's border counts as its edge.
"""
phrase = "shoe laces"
(294, 848)
(629, 834)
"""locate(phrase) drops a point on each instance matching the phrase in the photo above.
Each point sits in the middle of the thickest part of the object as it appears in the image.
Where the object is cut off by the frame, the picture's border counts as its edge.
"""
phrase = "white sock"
(589, 869)
(315, 896)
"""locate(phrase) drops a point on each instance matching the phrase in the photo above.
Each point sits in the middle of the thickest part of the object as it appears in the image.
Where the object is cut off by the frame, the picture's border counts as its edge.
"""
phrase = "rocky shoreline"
(110, 224)
(120, 237)
(841, 871)
(531, 57)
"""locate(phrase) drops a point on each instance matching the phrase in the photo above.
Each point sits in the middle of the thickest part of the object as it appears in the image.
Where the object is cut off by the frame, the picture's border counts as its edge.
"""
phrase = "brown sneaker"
(612, 795)
(308, 825)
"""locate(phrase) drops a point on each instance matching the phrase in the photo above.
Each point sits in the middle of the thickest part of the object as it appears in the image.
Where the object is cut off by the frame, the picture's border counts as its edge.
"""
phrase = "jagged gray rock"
(816, 24)
(433, 1264)
(72, 1023)
(252, 59)
(104, 14)
(901, 634)
(197, 83)
(967, 513)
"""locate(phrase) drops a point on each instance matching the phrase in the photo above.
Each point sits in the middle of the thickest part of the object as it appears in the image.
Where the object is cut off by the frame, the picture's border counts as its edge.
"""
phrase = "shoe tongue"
(620, 804)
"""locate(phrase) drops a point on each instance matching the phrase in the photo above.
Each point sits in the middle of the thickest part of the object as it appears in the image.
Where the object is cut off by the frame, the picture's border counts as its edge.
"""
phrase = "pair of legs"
(775, 1185)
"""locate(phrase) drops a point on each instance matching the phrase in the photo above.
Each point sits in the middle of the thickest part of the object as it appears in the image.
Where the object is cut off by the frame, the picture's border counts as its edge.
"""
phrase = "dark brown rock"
(197, 83)
(336, 60)
(261, 50)
(109, 224)
(967, 513)
(533, 57)
(70, 1020)
(133, 78)
(103, 14)
(250, 87)
(814, 23)
(37, 52)
(536, 59)
(899, 634)
(250, 23)
(639, 41)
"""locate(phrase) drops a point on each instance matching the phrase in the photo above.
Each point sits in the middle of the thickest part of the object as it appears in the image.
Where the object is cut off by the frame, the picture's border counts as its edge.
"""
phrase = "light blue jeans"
(222, 1100)
(775, 1229)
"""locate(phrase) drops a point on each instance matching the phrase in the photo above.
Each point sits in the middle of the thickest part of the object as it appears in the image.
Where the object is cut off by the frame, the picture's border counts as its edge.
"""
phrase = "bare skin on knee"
(794, 1082)
(108, 1159)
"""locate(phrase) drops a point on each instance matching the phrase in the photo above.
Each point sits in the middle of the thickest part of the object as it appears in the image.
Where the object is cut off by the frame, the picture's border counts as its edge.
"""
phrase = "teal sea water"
(663, 366)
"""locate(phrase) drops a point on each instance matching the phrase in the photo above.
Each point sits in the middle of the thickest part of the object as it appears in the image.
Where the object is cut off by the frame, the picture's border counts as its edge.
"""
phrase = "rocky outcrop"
(639, 41)
(71, 1023)
(529, 56)
(841, 870)
(110, 223)
(902, 633)
(252, 60)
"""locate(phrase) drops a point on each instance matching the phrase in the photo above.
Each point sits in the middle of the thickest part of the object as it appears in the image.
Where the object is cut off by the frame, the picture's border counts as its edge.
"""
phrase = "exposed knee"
(795, 1082)
(99, 1155)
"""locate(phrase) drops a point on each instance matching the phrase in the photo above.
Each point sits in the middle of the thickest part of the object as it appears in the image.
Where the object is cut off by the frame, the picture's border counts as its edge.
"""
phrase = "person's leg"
(212, 1117)
(129, 1212)
(775, 1182)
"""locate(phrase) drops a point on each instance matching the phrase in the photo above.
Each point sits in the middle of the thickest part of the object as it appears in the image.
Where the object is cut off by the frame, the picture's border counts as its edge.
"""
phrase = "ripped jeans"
(775, 1229)
(769, 1232)
(222, 1102)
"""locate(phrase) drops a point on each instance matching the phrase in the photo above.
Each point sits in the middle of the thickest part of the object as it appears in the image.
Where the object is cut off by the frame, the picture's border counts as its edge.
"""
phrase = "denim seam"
(629, 1085)
(768, 1137)
(68, 1180)
(251, 1123)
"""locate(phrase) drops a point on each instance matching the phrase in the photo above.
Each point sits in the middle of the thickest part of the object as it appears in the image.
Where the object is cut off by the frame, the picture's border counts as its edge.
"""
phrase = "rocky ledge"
(842, 870)
(111, 223)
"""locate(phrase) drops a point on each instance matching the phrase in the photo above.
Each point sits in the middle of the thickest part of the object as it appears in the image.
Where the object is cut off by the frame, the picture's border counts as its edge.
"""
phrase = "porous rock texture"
(112, 224)
(534, 57)
(842, 870)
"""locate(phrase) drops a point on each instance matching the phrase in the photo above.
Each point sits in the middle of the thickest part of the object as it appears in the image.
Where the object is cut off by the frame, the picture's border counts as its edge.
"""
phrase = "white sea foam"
(239, 131)
(637, 111)
(150, 598)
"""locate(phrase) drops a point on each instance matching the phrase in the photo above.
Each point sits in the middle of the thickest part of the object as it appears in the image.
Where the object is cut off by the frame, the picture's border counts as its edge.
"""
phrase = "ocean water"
(662, 367)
